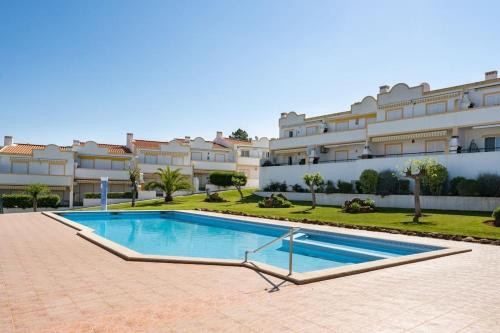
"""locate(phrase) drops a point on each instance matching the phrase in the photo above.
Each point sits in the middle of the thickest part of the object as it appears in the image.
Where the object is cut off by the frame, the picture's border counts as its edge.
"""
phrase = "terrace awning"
(410, 136)
(290, 151)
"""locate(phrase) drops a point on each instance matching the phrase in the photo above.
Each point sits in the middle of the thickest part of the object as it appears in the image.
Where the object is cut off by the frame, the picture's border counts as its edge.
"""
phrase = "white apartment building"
(72, 171)
(382, 133)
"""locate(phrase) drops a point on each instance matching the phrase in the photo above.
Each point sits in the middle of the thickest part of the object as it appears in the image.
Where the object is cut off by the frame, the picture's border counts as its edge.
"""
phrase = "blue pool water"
(192, 235)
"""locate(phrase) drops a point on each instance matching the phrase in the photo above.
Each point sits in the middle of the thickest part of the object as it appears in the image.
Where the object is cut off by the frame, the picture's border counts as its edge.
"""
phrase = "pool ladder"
(290, 233)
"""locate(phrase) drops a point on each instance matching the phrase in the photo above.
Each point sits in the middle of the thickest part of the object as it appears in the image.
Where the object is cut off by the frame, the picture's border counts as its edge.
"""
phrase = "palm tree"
(313, 180)
(170, 182)
(36, 191)
(134, 174)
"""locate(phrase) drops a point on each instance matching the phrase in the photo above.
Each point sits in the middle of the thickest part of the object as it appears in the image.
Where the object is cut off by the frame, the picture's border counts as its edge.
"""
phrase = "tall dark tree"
(239, 134)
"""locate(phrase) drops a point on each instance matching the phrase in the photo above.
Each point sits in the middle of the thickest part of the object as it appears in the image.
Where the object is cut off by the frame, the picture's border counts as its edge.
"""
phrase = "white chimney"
(284, 114)
(491, 75)
(383, 89)
(8, 140)
(187, 138)
(219, 134)
(130, 138)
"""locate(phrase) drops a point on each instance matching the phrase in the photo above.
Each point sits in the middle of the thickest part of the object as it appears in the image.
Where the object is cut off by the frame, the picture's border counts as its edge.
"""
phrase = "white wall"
(400, 201)
(465, 165)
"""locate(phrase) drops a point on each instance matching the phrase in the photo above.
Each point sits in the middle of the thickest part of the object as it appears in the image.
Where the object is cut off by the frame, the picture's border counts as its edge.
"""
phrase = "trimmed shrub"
(215, 197)
(275, 201)
(454, 184)
(435, 178)
(358, 205)
(267, 163)
(17, 201)
(368, 181)
(357, 186)
(489, 185)
(298, 188)
(388, 183)
(276, 187)
(224, 178)
(496, 216)
(344, 187)
(468, 187)
(50, 200)
(404, 186)
(329, 187)
(111, 195)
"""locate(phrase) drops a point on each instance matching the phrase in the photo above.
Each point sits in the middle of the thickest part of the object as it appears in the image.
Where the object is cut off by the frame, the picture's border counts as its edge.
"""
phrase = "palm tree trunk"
(239, 191)
(168, 197)
(35, 204)
(416, 195)
(134, 191)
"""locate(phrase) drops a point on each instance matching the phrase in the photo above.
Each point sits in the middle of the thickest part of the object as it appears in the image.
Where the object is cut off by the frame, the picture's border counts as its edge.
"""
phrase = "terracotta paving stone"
(51, 280)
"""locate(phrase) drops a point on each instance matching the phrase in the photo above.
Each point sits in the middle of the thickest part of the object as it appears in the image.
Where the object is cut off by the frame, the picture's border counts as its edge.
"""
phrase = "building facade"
(72, 171)
(383, 132)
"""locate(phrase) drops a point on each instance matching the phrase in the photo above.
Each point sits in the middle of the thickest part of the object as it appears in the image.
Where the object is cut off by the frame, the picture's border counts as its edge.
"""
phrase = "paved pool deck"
(52, 280)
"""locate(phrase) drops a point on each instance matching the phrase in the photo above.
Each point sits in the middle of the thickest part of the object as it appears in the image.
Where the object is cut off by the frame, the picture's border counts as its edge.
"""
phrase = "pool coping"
(297, 278)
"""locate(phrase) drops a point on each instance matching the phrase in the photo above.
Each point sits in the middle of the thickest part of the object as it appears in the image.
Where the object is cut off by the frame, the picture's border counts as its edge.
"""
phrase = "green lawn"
(446, 222)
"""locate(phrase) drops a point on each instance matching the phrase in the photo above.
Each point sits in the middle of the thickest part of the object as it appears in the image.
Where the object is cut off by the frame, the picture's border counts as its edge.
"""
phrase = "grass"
(445, 222)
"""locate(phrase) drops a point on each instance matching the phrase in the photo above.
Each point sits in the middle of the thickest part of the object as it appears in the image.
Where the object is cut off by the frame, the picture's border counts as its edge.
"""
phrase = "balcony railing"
(421, 153)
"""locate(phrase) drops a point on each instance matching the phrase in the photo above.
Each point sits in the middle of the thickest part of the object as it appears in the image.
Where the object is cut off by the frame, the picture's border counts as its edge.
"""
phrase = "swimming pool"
(174, 234)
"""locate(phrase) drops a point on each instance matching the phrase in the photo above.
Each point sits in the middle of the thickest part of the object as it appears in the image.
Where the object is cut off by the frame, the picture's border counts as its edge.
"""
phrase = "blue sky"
(97, 69)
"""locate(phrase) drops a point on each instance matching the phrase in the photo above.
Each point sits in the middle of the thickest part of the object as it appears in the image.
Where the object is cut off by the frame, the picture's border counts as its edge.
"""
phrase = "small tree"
(368, 181)
(238, 181)
(170, 182)
(36, 191)
(313, 180)
(416, 170)
(239, 134)
(134, 175)
(436, 177)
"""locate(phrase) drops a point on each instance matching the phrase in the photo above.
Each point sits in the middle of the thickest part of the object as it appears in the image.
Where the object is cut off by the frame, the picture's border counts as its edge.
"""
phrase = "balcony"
(467, 118)
(152, 168)
(329, 138)
(84, 173)
(23, 179)
(214, 166)
(254, 161)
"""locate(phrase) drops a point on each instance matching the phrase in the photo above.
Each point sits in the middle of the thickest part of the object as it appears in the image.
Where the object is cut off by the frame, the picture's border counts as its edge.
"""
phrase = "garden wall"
(399, 201)
(464, 165)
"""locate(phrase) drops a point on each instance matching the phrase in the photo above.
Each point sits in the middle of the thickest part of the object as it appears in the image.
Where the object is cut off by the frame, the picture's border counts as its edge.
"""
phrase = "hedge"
(224, 178)
(51, 200)
(17, 201)
(111, 195)
(25, 201)
(368, 181)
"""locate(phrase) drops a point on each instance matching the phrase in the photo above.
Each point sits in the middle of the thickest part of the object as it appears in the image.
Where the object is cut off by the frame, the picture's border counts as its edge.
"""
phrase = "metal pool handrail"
(291, 232)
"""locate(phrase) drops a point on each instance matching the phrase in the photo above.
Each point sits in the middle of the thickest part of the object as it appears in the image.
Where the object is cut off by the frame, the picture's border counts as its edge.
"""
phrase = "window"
(435, 146)
(342, 126)
(220, 158)
(311, 130)
(118, 165)
(56, 169)
(245, 153)
(87, 163)
(394, 114)
(290, 134)
(103, 164)
(492, 99)
(196, 156)
(20, 167)
(436, 108)
(394, 149)
(491, 143)
(178, 161)
(341, 155)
